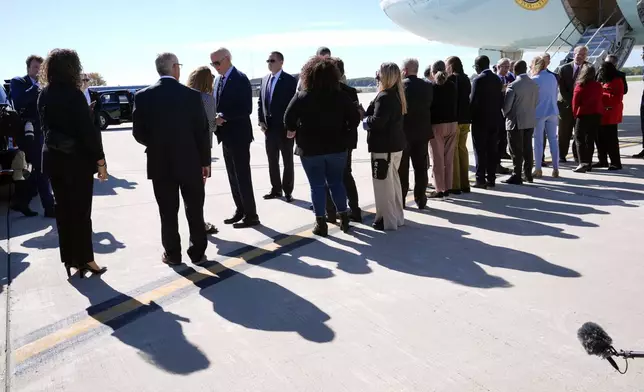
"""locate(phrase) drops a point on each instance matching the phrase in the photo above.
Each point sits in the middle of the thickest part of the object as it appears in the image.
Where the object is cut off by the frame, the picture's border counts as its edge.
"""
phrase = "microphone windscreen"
(594, 339)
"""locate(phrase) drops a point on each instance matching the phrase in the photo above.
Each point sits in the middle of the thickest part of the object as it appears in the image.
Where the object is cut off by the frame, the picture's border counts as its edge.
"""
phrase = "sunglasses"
(218, 62)
(85, 80)
(270, 60)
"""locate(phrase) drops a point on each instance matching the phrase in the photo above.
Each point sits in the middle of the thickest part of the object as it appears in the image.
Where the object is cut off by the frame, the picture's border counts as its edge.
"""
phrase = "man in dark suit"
(170, 121)
(486, 102)
(503, 71)
(276, 92)
(418, 131)
(24, 94)
(234, 102)
(611, 58)
(568, 74)
(352, 144)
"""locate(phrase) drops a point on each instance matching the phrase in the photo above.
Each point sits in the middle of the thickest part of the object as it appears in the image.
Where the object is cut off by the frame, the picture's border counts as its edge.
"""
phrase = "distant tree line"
(633, 70)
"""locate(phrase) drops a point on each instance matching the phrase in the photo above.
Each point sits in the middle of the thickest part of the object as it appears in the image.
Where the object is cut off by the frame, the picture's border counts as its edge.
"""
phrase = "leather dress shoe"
(170, 261)
(273, 195)
(247, 223)
(236, 218)
(289, 198)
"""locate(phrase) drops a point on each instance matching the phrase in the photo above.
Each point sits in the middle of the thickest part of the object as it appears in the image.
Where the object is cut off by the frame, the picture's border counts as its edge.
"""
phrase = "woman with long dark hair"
(587, 108)
(454, 68)
(613, 96)
(319, 117)
(72, 154)
(445, 127)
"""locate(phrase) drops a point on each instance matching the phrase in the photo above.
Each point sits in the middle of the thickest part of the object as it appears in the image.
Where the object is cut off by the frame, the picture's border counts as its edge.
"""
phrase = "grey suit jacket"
(520, 104)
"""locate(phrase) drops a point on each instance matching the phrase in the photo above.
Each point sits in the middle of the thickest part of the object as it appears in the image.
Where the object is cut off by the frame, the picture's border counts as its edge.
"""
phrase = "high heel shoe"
(86, 268)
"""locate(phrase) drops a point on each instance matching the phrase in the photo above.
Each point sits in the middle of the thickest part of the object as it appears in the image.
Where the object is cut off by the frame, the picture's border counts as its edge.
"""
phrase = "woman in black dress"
(72, 154)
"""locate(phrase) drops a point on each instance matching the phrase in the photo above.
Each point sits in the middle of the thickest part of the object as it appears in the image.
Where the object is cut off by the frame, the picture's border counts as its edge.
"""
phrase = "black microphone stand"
(624, 354)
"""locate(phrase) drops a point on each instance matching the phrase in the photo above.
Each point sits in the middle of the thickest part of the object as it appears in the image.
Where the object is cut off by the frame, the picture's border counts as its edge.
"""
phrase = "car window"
(123, 99)
(109, 98)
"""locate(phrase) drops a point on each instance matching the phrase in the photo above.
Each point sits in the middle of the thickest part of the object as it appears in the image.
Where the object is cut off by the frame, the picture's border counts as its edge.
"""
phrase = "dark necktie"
(574, 76)
(220, 88)
(267, 96)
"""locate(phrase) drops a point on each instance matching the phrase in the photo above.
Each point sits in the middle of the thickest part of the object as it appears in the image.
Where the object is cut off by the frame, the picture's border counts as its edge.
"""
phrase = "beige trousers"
(442, 146)
(388, 192)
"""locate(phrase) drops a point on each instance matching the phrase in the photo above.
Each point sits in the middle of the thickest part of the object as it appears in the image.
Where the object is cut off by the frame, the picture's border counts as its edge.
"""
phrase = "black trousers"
(166, 191)
(38, 182)
(276, 143)
(566, 128)
(608, 145)
(73, 194)
(237, 159)
(352, 190)
(586, 132)
(521, 149)
(418, 152)
(486, 146)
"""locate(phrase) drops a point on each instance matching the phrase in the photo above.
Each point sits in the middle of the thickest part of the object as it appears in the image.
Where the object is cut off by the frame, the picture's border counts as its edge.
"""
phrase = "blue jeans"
(547, 125)
(322, 171)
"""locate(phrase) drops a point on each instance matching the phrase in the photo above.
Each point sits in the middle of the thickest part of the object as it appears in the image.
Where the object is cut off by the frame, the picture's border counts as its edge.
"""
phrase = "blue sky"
(120, 38)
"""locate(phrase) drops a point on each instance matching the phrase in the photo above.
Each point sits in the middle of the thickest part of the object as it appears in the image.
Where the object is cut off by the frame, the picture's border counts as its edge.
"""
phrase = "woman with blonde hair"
(547, 116)
(386, 140)
(202, 80)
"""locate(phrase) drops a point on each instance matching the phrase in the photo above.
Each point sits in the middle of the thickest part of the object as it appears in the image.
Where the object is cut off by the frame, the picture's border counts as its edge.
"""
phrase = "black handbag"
(380, 167)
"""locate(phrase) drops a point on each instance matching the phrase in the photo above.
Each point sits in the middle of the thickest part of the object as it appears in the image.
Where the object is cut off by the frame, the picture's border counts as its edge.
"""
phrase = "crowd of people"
(318, 118)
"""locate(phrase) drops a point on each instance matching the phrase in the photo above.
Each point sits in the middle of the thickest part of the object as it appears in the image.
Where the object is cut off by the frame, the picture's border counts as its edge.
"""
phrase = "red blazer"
(587, 99)
(612, 98)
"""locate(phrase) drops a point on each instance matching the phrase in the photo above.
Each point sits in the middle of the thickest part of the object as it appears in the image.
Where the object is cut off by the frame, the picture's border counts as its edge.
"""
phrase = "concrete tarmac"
(482, 292)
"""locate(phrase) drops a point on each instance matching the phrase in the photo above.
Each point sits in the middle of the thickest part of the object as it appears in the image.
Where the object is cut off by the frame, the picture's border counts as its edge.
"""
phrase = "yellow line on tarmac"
(90, 322)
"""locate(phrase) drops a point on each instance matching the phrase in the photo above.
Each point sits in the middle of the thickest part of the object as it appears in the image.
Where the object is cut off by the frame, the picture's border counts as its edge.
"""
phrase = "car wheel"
(102, 121)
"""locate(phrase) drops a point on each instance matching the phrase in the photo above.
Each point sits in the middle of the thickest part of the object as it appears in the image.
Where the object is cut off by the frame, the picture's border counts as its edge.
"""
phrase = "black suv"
(113, 106)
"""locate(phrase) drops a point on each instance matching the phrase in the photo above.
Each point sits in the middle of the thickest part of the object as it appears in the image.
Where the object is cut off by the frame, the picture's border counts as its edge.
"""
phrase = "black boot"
(331, 217)
(321, 227)
(344, 221)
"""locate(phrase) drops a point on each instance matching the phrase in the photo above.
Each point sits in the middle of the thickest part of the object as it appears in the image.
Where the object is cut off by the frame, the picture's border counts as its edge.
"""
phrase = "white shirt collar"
(227, 74)
(277, 75)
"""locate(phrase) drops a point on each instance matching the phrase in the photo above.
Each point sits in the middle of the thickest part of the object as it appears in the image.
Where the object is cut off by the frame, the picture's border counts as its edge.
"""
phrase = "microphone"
(597, 342)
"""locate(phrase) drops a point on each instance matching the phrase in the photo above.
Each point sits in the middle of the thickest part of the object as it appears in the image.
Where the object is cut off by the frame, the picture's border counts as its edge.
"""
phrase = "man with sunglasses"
(234, 105)
(276, 92)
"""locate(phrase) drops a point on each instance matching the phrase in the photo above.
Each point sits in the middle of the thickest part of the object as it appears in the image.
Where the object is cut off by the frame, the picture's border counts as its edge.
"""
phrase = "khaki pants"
(442, 146)
(388, 193)
(461, 175)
